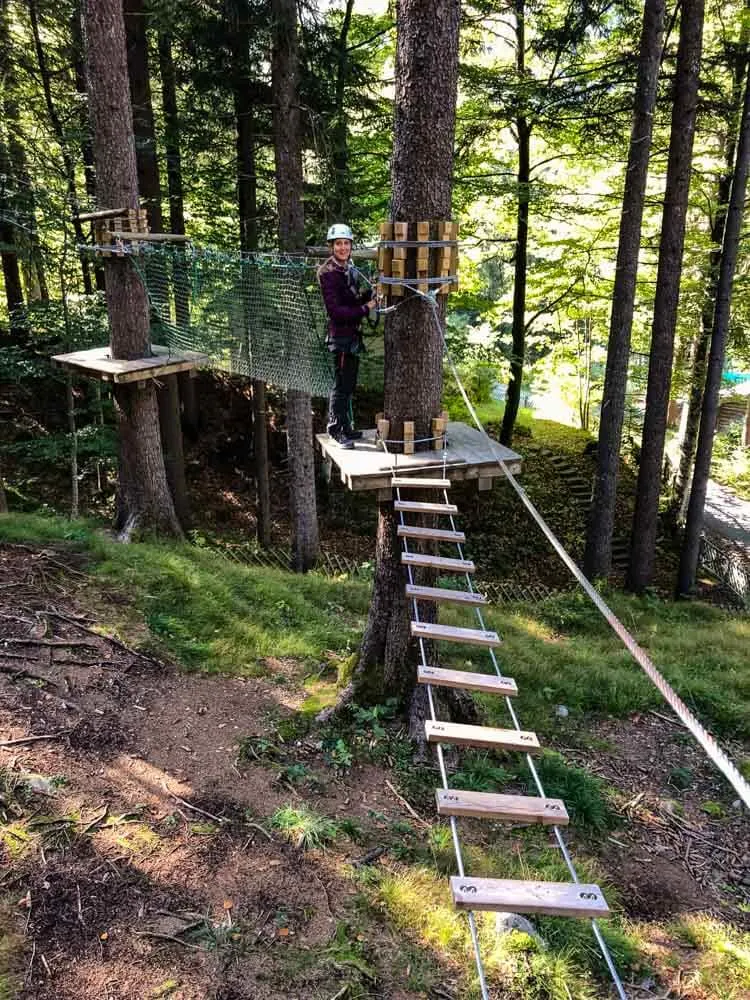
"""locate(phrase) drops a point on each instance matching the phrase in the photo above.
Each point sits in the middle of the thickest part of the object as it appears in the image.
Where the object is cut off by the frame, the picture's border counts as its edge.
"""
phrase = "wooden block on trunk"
(384, 427)
(408, 437)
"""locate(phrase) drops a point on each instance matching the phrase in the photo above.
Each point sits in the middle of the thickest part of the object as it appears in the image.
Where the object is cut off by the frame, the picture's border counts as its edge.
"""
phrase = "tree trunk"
(422, 173)
(288, 157)
(746, 427)
(523, 136)
(188, 395)
(597, 558)
(8, 233)
(646, 518)
(681, 486)
(732, 231)
(144, 502)
(149, 188)
(57, 127)
(247, 197)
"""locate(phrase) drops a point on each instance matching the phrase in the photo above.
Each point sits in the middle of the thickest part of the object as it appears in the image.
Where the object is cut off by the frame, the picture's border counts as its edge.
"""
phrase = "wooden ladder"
(569, 899)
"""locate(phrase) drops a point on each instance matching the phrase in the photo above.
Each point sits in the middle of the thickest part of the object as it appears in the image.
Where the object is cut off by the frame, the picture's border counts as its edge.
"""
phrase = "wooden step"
(553, 899)
(473, 636)
(507, 808)
(399, 482)
(467, 680)
(416, 507)
(438, 562)
(440, 594)
(439, 534)
(480, 736)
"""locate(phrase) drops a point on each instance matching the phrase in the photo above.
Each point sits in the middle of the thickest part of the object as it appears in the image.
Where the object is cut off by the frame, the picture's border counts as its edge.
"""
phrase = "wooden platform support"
(481, 736)
(99, 363)
(552, 899)
(505, 808)
(467, 680)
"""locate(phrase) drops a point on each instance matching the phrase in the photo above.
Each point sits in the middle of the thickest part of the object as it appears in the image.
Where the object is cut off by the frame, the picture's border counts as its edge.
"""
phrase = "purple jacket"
(345, 305)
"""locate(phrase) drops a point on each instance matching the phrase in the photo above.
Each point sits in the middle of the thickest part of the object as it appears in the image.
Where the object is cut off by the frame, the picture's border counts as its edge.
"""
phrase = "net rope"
(257, 315)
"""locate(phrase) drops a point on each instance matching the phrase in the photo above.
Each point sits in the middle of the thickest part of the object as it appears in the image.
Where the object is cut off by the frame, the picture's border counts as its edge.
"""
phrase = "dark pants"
(340, 402)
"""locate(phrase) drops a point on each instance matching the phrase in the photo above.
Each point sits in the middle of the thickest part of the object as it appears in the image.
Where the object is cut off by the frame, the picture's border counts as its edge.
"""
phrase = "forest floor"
(173, 833)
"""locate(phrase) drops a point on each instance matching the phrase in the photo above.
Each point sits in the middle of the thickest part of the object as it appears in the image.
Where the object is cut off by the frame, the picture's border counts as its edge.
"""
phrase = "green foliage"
(723, 959)
(479, 773)
(304, 827)
(582, 793)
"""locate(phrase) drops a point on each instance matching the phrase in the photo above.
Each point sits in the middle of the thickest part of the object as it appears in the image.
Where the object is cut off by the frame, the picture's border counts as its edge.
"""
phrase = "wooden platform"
(98, 363)
(469, 456)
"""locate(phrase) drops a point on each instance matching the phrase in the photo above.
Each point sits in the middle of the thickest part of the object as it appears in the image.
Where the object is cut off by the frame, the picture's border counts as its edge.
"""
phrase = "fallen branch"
(50, 642)
(202, 812)
(34, 739)
(108, 638)
(409, 808)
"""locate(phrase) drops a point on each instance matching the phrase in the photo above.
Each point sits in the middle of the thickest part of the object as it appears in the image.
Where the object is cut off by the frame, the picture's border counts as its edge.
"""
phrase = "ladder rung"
(399, 482)
(417, 507)
(439, 594)
(439, 534)
(438, 562)
(480, 736)
(473, 636)
(555, 899)
(467, 680)
(509, 808)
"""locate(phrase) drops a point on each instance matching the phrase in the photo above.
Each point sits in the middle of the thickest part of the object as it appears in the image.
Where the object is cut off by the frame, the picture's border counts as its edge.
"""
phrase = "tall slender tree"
(684, 108)
(598, 553)
(730, 246)
(422, 174)
(149, 189)
(287, 132)
(144, 502)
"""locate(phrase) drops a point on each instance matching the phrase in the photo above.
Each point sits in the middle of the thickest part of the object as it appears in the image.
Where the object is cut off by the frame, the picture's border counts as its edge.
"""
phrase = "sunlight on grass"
(723, 960)
(418, 901)
(304, 827)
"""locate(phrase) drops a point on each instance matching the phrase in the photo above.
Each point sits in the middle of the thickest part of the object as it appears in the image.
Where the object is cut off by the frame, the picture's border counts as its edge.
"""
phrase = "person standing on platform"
(346, 306)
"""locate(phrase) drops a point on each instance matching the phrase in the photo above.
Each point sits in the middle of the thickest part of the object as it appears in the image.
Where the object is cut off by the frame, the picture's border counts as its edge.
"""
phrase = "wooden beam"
(415, 507)
(438, 562)
(442, 595)
(439, 534)
(449, 633)
(481, 736)
(467, 680)
(554, 899)
(505, 808)
(412, 482)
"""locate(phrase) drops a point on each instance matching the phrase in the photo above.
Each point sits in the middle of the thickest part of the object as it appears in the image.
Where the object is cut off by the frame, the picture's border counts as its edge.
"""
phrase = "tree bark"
(341, 201)
(288, 156)
(597, 558)
(188, 395)
(144, 503)
(8, 234)
(422, 173)
(149, 188)
(523, 136)
(646, 518)
(732, 231)
(681, 488)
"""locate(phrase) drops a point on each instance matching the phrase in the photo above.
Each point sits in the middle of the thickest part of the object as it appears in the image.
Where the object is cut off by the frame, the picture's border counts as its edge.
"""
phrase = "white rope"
(700, 733)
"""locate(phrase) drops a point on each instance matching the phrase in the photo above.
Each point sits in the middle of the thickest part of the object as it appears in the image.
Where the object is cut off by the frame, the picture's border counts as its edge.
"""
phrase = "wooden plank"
(105, 213)
(467, 680)
(97, 363)
(440, 534)
(437, 562)
(416, 507)
(412, 482)
(441, 595)
(554, 899)
(449, 633)
(408, 437)
(480, 736)
(505, 808)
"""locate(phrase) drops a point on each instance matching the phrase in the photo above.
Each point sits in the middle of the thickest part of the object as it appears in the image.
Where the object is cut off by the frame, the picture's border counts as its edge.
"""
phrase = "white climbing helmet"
(339, 232)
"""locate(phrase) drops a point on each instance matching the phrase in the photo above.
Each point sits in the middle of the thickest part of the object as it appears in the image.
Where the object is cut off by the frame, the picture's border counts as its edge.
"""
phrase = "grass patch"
(211, 614)
(304, 827)
(722, 965)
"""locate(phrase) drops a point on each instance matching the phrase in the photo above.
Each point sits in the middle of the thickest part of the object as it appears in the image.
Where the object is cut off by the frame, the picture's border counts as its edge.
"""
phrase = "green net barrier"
(258, 315)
